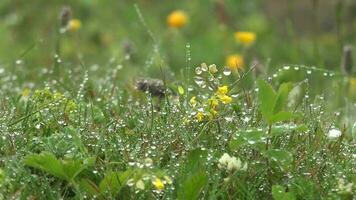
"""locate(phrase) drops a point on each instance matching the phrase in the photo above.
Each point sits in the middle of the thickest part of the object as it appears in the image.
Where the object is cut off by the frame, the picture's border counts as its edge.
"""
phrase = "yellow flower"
(159, 185)
(74, 25)
(352, 83)
(235, 61)
(177, 19)
(222, 90)
(26, 92)
(225, 99)
(213, 103)
(212, 114)
(199, 116)
(193, 102)
(245, 38)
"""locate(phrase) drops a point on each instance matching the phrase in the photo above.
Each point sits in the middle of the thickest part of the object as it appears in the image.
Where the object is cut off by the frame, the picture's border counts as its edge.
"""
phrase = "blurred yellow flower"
(177, 19)
(159, 185)
(213, 103)
(74, 25)
(223, 90)
(352, 83)
(26, 92)
(200, 116)
(234, 62)
(245, 38)
(225, 99)
(193, 102)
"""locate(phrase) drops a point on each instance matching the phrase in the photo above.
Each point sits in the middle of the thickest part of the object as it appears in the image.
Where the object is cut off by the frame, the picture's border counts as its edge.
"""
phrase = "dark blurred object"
(221, 11)
(346, 61)
(127, 47)
(65, 16)
(154, 86)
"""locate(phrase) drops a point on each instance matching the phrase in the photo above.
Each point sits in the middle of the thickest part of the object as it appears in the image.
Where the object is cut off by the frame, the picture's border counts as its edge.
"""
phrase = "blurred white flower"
(140, 185)
(231, 163)
(334, 133)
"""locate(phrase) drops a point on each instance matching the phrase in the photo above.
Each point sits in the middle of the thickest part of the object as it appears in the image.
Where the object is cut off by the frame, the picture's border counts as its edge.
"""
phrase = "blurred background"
(111, 34)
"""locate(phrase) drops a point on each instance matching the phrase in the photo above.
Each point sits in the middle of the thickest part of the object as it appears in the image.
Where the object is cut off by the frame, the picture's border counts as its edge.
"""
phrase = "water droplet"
(227, 71)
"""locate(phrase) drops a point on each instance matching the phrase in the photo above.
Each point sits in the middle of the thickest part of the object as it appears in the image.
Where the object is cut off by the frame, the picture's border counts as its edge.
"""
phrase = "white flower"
(334, 133)
(224, 160)
(140, 185)
(234, 164)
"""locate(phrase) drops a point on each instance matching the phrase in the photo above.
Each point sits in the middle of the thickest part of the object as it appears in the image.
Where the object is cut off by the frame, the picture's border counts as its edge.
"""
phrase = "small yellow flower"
(26, 92)
(74, 25)
(193, 101)
(352, 83)
(212, 102)
(245, 38)
(225, 99)
(177, 19)
(159, 185)
(199, 116)
(222, 90)
(234, 62)
(212, 114)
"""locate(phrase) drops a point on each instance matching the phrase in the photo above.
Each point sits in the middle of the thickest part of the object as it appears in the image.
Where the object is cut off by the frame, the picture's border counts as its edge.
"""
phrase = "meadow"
(204, 99)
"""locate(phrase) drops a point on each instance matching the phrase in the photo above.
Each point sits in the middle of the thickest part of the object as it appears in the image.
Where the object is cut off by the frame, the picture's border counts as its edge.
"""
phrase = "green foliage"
(64, 169)
(279, 193)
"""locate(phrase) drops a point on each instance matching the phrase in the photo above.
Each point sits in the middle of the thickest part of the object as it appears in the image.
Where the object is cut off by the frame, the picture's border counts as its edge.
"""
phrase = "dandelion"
(246, 38)
(140, 185)
(159, 185)
(177, 19)
(200, 116)
(234, 62)
(74, 25)
(193, 101)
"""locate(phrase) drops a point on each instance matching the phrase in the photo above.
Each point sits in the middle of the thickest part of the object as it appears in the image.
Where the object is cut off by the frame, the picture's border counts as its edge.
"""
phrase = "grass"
(76, 129)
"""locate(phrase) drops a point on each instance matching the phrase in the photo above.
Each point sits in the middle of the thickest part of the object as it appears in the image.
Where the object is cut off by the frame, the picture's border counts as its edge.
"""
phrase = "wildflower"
(159, 185)
(344, 188)
(177, 19)
(200, 116)
(352, 83)
(148, 162)
(74, 25)
(224, 160)
(213, 69)
(193, 101)
(140, 185)
(212, 102)
(26, 92)
(234, 62)
(223, 90)
(231, 163)
(334, 133)
(212, 114)
(234, 164)
(245, 38)
(225, 99)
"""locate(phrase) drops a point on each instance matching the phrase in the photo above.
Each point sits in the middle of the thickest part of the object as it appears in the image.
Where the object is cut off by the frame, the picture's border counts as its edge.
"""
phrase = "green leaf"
(267, 99)
(283, 116)
(193, 185)
(279, 193)
(247, 137)
(286, 128)
(193, 178)
(63, 169)
(282, 97)
(114, 181)
(47, 162)
(89, 187)
(282, 158)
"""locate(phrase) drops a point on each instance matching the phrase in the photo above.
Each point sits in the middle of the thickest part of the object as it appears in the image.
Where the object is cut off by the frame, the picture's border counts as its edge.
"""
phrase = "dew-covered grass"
(133, 127)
